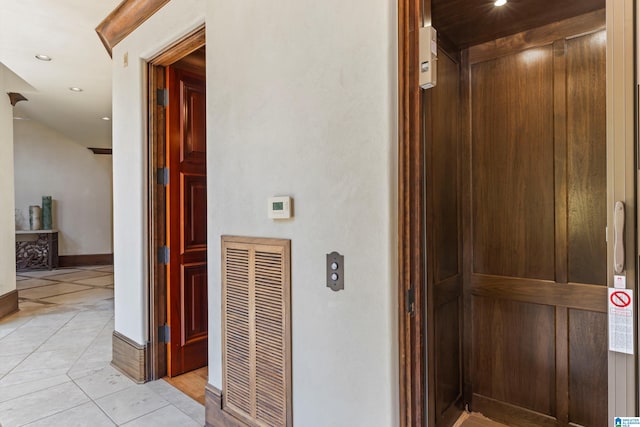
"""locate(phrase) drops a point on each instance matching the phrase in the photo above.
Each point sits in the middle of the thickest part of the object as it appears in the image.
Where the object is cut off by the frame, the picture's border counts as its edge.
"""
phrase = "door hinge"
(162, 96)
(163, 255)
(163, 176)
(411, 301)
(164, 334)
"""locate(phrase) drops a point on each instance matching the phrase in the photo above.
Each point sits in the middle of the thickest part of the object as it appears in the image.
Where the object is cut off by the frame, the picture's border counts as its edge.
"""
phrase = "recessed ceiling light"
(75, 89)
(500, 2)
(20, 118)
(106, 119)
(43, 57)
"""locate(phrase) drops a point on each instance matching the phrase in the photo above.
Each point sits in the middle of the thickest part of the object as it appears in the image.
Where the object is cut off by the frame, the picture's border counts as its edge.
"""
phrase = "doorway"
(178, 217)
(505, 259)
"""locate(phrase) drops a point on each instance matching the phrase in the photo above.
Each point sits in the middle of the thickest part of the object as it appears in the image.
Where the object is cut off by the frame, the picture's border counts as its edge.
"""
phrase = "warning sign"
(621, 320)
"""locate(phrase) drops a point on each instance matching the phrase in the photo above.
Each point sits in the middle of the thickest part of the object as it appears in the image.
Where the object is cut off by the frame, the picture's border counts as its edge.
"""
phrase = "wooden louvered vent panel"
(256, 330)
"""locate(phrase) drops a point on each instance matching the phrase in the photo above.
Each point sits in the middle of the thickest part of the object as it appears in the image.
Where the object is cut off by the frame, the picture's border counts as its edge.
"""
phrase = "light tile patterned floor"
(55, 356)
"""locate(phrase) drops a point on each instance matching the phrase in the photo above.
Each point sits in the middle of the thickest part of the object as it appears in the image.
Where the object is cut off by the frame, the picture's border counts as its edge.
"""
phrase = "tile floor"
(55, 356)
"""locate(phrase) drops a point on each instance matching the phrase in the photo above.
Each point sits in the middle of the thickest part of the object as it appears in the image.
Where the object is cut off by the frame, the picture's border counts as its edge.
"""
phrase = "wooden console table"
(36, 249)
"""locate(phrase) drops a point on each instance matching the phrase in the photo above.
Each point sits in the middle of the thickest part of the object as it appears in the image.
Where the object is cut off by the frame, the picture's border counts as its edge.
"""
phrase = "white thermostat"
(279, 207)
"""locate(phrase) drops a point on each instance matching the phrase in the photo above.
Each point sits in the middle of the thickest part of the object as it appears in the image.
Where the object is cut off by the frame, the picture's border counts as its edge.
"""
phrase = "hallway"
(55, 358)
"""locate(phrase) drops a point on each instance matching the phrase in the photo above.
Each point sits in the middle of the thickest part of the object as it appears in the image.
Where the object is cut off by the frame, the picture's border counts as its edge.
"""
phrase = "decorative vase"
(35, 217)
(47, 219)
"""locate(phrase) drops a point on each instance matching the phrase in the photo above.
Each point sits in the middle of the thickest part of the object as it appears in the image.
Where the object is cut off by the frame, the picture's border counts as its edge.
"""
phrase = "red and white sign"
(620, 320)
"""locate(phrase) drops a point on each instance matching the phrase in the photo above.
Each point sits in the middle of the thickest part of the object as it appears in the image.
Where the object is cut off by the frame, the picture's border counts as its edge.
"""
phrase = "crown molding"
(124, 19)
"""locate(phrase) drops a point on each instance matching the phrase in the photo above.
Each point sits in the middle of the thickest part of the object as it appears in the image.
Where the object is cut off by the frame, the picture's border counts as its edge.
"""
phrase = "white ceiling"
(65, 31)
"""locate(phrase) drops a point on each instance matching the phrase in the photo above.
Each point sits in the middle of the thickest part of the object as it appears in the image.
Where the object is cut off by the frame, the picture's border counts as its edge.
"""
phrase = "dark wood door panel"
(588, 368)
(192, 93)
(448, 355)
(194, 308)
(194, 200)
(586, 158)
(513, 165)
(575, 295)
(514, 353)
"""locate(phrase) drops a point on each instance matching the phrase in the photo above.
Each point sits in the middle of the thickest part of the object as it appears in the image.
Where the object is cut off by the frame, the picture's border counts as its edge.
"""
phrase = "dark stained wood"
(15, 97)
(470, 22)
(444, 278)
(124, 19)
(106, 151)
(186, 219)
(560, 158)
(541, 291)
(513, 211)
(411, 271)
(83, 260)
(558, 309)
(515, 356)
(562, 370)
(588, 372)
(546, 35)
(8, 303)
(587, 156)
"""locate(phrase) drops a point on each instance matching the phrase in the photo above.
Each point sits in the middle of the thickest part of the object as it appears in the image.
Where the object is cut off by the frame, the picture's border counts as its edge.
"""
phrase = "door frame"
(156, 360)
(621, 174)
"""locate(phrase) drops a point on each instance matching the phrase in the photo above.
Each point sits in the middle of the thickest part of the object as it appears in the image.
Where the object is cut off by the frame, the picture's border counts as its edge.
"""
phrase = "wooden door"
(186, 221)
(537, 260)
(444, 252)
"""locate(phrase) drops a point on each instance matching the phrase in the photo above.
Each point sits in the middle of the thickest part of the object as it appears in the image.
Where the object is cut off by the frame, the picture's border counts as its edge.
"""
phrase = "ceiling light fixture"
(500, 3)
(106, 119)
(75, 89)
(43, 57)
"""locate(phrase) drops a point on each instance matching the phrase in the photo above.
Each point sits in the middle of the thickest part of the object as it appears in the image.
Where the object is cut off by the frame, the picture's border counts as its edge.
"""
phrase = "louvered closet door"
(256, 330)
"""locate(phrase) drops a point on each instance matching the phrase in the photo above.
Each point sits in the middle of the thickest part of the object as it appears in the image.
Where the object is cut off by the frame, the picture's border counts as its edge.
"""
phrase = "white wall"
(7, 229)
(80, 183)
(301, 102)
(168, 25)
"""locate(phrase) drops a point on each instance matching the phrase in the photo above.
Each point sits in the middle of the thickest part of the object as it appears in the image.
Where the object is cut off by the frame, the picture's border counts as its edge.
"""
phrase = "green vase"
(46, 212)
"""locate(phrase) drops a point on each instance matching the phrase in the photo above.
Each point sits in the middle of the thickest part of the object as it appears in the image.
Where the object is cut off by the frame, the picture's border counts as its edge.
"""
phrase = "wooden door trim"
(411, 224)
(157, 361)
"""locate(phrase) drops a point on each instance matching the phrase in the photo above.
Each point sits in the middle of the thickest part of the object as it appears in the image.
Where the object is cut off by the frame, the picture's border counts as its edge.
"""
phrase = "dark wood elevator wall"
(444, 235)
(535, 181)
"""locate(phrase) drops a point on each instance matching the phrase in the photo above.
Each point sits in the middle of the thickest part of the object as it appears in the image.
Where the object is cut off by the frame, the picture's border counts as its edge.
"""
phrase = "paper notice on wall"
(621, 320)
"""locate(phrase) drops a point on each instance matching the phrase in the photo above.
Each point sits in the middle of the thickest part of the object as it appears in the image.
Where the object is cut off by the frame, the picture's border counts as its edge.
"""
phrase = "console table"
(36, 249)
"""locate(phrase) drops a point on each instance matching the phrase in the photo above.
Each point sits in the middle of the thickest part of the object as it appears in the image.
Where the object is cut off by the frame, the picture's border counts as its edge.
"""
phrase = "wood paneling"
(124, 19)
(443, 239)
(586, 158)
(535, 37)
(129, 357)
(513, 165)
(8, 303)
(588, 372)
(84, 260)
(470, 22)
(515, 353)
(537, 187)
(194, 317)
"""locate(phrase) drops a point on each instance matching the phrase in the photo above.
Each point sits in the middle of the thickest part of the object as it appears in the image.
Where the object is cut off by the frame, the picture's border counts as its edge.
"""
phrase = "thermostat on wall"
(280, 207)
